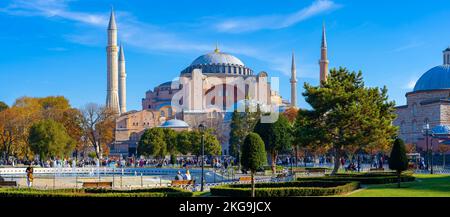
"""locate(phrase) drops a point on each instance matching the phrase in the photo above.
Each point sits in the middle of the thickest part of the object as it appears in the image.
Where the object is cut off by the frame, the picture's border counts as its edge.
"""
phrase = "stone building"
(429, 102)
(129, 128)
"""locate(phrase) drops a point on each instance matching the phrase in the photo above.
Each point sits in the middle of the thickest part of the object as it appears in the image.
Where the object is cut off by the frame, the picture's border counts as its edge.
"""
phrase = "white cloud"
(249, 24)
(153, 38)
(411, 83)
(408, 46)
(53, 8)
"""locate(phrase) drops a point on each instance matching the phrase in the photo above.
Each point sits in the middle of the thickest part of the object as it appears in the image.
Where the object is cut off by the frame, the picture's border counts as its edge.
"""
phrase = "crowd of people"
(119, 162)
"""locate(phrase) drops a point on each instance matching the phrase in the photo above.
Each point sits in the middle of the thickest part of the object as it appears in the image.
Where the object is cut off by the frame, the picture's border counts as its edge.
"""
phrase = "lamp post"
(202, 128)
(426, 128)
(431, 153)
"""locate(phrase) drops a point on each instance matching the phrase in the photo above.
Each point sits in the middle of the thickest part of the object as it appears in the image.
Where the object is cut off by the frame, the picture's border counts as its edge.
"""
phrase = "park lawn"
(201, 194)
(426, 185)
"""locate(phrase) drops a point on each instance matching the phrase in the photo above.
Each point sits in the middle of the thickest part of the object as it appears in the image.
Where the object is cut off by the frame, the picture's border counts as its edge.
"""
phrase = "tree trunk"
(398, 178)
(274, 162)
(337, 161)
(253, 182)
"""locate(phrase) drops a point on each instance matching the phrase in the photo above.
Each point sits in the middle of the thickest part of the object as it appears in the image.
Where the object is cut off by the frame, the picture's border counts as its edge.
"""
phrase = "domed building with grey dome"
(428, 103)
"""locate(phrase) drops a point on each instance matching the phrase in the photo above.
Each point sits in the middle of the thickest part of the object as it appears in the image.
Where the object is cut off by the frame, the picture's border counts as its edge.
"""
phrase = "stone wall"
(422, 107)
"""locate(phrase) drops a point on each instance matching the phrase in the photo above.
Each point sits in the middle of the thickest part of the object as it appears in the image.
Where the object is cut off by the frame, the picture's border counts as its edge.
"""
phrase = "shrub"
(156, 192)
(286, 189)
(364, 178)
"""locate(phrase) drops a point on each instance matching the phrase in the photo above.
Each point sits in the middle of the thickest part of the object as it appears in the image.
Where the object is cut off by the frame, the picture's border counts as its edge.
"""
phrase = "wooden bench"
(8, 183)
(97, 184)
(309, 171)
(376, 169)
(281, 175)
(245, 179)
(182, 183)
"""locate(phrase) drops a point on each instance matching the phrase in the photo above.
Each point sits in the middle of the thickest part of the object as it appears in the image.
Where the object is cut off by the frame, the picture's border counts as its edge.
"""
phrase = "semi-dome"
(219, 62)
(437, 78)
(174, 123)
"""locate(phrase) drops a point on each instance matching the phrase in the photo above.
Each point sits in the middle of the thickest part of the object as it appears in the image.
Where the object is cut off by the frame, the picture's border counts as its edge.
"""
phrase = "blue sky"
(57, 47)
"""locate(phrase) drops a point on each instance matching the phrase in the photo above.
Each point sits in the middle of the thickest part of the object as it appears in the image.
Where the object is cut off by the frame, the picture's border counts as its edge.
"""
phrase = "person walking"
(30, 177)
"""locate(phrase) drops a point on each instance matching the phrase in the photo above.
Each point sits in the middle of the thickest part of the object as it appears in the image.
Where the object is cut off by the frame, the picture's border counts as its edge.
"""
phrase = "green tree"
(277, 137)
(236, 133)
(345, 114)
(398, 160)
(184, 143)
(49, 138)
(212, 145)
(253, 156)
(3, 106)
(242, 123)
(153, 143)
(170, 136)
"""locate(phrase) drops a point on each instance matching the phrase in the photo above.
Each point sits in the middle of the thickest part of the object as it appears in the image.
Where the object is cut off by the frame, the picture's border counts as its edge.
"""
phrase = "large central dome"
(218, 62)
(437, 78)
(217, 58)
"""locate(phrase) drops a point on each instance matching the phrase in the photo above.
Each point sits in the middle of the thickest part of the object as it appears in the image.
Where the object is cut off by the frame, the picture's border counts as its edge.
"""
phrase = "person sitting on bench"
(187, 176)
(178, 176)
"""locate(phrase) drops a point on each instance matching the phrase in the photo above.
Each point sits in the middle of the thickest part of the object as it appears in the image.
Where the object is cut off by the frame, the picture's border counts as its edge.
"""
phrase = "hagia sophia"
(176, 104)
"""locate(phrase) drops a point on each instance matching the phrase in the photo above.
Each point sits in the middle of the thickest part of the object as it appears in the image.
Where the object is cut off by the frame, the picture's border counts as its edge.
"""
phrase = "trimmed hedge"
(363, 178)
(286, 189)
(157, 192)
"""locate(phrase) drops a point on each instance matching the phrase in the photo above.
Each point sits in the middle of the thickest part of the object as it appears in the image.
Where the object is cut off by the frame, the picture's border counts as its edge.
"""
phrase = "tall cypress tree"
(253, 155)
(398, 160)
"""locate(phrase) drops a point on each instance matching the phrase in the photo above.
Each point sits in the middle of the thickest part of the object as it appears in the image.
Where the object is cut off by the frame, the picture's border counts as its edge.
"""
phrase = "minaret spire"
(324, 36)
(112, 20)
(323, 62)
(293, 82)
(112, 98)
(122, 82)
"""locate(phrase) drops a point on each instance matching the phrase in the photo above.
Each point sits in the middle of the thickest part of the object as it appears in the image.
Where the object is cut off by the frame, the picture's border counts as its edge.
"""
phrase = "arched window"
(402, 127)
(163, 114)
(414, 126)
(414, 109)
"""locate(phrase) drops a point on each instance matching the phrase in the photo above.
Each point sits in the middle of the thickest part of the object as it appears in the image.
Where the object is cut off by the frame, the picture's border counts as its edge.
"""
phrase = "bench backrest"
(183, 182)
(245, 179)
(8, 183)
(97, 184)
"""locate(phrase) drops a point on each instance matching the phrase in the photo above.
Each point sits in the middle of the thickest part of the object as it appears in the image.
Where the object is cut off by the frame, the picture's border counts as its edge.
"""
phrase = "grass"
(426, 185)
(201, 194)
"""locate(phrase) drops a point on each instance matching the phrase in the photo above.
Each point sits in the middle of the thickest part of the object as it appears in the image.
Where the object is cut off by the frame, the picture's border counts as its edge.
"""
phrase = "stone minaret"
(112, 98)
(122, 82)
(293, 83)
(323, 62)
(447, 56)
